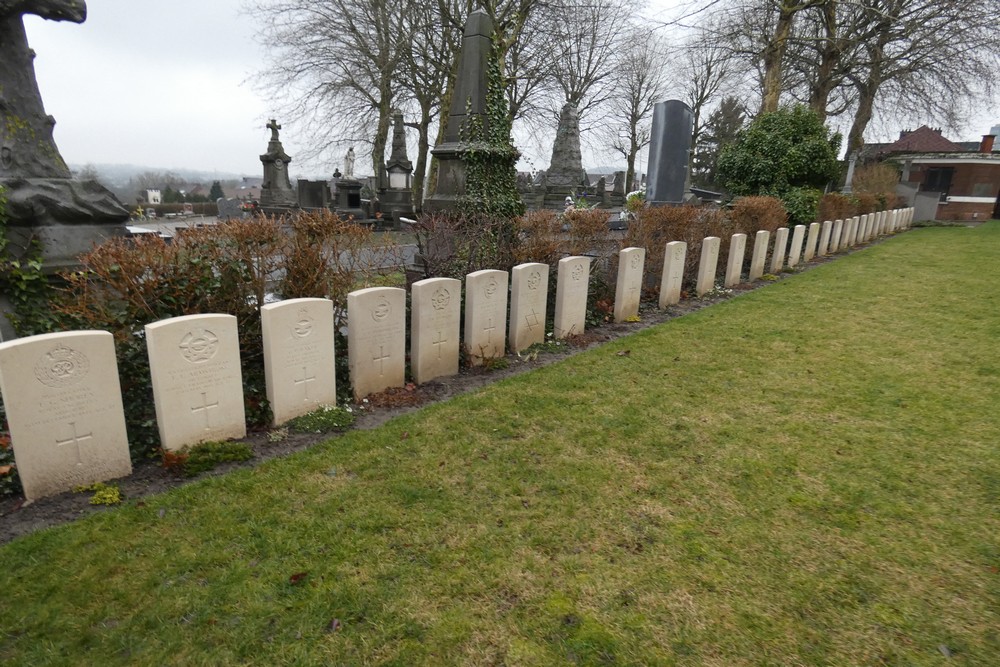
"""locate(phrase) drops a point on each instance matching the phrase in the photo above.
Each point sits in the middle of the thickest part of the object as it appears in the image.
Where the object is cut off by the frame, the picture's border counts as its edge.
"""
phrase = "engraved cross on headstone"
(306, 379)
(532, 320)
(76, 440)
(439, 342)
(205, 407)
(489, 331)
(381, 360)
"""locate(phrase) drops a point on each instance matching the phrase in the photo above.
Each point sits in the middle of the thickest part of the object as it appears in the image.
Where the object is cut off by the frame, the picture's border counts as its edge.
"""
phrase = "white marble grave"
(435, 323)
(824, 238)
(628, 288)
(485, 315)
(572, 282)
(299, 360)
(811, 242)
(194, 363)
(838, 230)
(734, 266)
(778, 253)
(761, 240)
(707, 265)
(376, 339)
(795, 251)
(529, 291)
(673, 273)
(64, 409)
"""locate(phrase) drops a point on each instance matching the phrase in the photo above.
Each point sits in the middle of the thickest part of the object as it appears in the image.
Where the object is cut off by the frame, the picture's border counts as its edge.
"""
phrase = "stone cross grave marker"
(229, 209)
(435, 321)
(708, 264)
(529, 292)
(778, 253)
(760, 243)
(194, 363)
(673, 273)
(64, 409)
(811, 240)
(734, 267)
(795, 251)
(824, 238)
(299, 361)
(628, 288)
(572, 282)
(485, 315)
(376, 339)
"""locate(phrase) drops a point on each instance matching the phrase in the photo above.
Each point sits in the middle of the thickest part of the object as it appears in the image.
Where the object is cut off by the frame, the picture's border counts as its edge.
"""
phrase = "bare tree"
(331, 61)
(707, 68)
(640, 82)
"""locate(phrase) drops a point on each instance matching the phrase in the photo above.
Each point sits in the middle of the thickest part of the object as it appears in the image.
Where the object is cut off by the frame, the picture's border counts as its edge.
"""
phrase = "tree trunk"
(774, 54)
(823, 84)
(423, 149)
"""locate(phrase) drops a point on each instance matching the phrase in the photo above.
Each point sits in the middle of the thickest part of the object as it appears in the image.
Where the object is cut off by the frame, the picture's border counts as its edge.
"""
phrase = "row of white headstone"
(62, 392)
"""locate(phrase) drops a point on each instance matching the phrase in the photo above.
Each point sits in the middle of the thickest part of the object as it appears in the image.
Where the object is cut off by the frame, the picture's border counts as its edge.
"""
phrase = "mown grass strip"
(808, 474)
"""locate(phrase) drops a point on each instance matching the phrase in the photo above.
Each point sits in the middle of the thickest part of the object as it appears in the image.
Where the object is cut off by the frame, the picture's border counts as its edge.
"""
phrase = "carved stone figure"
(349, 163)
(67, 216)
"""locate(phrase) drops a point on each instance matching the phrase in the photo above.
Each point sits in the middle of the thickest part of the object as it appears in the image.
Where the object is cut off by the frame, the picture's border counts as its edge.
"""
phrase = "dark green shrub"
(802, 205)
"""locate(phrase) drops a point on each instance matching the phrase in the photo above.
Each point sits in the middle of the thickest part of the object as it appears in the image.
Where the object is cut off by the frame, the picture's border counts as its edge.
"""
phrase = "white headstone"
(435, 323)
(485, 315)
(838, 230)
(572, 282)
(299, 360)
(761, 240)
(673, 273)
(194, 363)
(734, 267)
(707, 265)
(529, 291)
(811, 241)
(628, 289)
(795, 251)
(376, 339)
(778, 253)
(824, 238)
(64, 409)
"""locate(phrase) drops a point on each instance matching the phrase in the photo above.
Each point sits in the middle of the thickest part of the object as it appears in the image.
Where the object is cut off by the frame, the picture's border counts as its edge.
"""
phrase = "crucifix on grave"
(75, 440)
(304, 381)
(205, 407)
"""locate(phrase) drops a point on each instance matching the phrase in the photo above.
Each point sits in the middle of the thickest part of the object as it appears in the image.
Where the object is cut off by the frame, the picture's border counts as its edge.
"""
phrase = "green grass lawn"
(808, 474)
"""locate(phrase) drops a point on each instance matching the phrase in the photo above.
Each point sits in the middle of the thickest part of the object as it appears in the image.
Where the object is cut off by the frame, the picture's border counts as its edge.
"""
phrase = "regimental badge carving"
(534, 280)
(382, 309)
(441, 298)
(678, 254)
(61, 367)
(577, 272)
(199, 345)
(304, 325)
(491, 288)
(635, 262)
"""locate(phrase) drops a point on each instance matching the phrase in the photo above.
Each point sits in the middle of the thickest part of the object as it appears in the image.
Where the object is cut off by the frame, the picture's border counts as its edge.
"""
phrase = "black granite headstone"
(669, 153)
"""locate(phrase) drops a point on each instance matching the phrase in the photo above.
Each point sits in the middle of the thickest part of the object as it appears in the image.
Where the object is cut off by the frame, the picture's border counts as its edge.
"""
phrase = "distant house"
(945, 180)
(153, 197)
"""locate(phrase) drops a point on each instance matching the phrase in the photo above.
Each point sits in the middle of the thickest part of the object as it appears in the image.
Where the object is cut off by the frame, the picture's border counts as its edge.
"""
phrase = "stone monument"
(565, 172)
(669, 154)
(43, 200)
(277, 191)
(397, 196)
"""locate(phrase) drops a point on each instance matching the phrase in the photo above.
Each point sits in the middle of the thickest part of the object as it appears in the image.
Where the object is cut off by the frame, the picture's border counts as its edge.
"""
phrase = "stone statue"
(274, 127)
(44, 202)
(349, 163)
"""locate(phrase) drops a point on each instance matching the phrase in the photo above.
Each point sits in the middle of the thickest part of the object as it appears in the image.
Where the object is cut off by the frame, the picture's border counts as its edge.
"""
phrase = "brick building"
(965, 177)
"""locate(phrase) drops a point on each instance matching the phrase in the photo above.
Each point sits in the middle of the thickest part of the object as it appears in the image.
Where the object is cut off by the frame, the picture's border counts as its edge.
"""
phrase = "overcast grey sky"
(169, 84)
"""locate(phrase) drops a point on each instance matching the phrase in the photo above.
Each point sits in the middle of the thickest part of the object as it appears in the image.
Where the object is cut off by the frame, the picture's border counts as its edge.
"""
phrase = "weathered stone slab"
(64, 409)
(628, 288)
(778, 253)
(435, 323)
(760, 243)
(529, 292)
(376, 339)
(707, 265)
(824, 238)
(299, 360)
(811, 241)
(673, 273)
(838, 230)
(795, 251)
(734, 267)
(571, 297)
(194, 363)
(485, 315)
